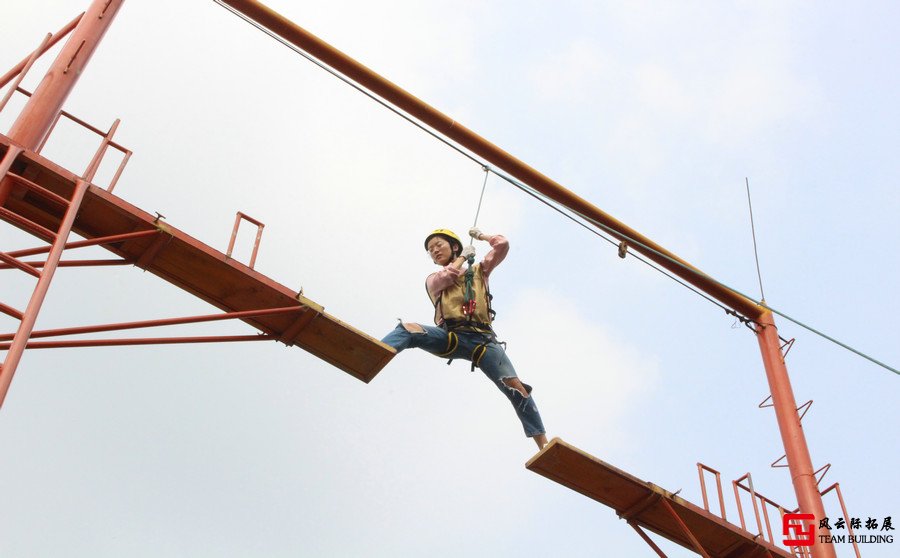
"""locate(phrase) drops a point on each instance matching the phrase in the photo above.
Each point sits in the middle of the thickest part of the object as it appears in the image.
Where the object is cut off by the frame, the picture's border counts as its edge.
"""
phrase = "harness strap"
(452, 343)
(478, 327)
(477, 354)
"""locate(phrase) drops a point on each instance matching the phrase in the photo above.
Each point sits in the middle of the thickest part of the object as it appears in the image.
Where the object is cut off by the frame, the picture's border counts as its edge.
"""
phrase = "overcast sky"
(654, 111)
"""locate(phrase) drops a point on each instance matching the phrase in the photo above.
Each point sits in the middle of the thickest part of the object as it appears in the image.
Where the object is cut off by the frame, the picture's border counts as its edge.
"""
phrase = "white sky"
(655, 112)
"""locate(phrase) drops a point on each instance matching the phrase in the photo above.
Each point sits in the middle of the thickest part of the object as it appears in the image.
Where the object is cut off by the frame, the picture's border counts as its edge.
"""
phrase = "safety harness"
(468, 322)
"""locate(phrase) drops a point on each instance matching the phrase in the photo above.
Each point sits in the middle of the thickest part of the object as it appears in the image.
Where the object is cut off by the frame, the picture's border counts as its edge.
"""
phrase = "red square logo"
(805, 534)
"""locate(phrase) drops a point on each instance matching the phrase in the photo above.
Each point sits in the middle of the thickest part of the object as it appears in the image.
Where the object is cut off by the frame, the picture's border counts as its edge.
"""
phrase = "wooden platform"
(646, 505)
(195, 267)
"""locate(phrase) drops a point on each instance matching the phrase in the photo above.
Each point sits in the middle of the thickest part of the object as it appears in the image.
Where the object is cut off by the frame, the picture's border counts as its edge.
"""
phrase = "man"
(463, 317)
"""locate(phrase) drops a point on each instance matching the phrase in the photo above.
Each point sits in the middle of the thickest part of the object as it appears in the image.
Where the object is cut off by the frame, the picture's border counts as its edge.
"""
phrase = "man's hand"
(467, 252)
(475, 233)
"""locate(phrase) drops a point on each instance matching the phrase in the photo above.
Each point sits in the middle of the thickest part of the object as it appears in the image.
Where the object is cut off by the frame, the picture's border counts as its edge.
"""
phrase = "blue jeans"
(493, 362)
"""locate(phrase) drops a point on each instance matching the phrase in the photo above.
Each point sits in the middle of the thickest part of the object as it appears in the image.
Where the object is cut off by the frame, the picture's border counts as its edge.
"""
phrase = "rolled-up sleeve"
(499, 249)
(440, 280)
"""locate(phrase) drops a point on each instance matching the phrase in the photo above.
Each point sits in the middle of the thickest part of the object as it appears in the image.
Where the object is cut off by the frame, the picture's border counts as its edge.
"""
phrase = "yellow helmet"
(448, 235)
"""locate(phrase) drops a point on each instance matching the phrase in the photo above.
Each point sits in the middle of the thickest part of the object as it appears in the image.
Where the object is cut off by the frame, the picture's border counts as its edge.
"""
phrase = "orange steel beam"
(795, 445)
(490, 152)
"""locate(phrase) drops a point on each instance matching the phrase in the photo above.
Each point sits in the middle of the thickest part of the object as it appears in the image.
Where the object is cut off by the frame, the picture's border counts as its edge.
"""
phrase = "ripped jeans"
(492, 361)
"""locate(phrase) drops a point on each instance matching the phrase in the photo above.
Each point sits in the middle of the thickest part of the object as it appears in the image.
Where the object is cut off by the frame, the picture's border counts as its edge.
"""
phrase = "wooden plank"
(199, 269)
(645, 504)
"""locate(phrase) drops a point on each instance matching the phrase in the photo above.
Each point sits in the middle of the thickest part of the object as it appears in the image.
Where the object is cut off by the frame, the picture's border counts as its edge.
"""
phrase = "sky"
(655, 112)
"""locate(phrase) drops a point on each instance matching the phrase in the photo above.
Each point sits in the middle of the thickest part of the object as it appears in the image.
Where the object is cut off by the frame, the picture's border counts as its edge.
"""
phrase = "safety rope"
(487, 173)
(540, 197)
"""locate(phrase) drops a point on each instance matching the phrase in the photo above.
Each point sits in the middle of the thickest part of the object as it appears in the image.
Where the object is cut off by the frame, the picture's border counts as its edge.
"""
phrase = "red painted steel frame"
(159, 323)
(28, 132)
(792, 437)
(837, 488)
(17, 347)
(141, 341)
(796, 449)
(20, 67)
(647, 539)
(42, 108)
(34, 56)
(234, 231)
(700, 468)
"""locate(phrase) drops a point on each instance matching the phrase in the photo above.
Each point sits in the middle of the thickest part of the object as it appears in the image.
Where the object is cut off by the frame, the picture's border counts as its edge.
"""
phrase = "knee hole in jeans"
(516, 384)
(413, 328)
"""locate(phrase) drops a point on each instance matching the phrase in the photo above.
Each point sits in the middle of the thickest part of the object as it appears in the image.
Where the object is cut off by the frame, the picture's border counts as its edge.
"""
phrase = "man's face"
(439, 250)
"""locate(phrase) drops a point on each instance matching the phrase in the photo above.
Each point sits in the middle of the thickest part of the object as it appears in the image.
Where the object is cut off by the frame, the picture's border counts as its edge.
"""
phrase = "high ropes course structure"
(50, 202)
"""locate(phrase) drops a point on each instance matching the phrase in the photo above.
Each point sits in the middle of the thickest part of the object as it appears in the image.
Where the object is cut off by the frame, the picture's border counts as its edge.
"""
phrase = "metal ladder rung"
(28, 225)
(39, 190)
(19, 264)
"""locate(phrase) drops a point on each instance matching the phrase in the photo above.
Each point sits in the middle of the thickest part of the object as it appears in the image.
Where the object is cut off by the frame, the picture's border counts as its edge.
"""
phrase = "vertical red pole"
(799, 462)
(28, 132)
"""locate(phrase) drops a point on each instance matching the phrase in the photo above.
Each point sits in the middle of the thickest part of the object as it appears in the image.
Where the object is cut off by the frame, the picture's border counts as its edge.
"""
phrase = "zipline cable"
(541, 197)
(352, 84)
(535, 194)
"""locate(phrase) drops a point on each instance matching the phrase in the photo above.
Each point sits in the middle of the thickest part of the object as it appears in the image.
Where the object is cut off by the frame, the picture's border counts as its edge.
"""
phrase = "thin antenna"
(755, 252)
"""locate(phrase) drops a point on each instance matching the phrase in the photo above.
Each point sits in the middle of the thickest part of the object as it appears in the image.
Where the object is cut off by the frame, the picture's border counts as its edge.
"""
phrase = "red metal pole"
(244, 314)
(20, 67)
(36, 118)
(14, 354)
(82, 243)
(34, 56)
(799, 461)
(141, 341)
(28, 132)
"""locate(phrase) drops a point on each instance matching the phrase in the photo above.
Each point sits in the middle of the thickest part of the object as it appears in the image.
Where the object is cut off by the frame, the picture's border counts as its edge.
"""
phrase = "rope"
(540, 197)
(487, 173)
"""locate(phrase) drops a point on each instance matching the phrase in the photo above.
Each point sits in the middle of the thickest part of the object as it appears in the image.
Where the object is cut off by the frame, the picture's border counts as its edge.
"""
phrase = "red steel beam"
(73, 263)
(160, 323)
(487, 150)
(685, 529)
(647, 540)
(798, 458)
(139, 341)
(26, 326)
(18, 68)
(31, 59)
(13, 263)
(43, 106)
(82, 243)
(10, 311)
